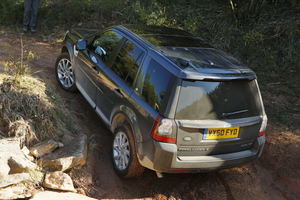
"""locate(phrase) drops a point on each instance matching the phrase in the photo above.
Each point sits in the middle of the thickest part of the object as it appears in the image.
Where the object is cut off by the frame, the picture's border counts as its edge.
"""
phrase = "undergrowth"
(33, 112)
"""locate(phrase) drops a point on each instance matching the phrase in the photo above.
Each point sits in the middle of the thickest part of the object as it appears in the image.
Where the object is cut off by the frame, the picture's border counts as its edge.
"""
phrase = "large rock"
(17, 165)
(4, 168)
(48, 195)
(14, 166)
(18, 192)
(14, 179)
(73, 154)
(59, 181)
(40, 149)
(27, 154)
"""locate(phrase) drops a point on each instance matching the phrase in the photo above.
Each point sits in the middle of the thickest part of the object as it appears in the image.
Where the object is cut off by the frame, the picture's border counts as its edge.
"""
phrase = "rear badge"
(187, 139)
(193, 149)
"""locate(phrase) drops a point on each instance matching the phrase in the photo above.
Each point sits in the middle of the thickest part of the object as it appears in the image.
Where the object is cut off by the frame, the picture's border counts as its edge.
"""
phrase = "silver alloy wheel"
(65, 73)
(121, 150)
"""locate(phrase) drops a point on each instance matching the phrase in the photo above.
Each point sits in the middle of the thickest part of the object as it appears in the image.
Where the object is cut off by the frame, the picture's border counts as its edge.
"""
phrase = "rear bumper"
(166, 160)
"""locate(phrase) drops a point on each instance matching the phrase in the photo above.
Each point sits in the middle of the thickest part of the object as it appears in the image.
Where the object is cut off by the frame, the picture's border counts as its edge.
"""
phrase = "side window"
(127, 62)
(104, 44)
(155, 84)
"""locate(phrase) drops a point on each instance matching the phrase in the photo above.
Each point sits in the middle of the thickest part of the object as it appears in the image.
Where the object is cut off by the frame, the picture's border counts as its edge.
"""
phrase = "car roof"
(196, 58)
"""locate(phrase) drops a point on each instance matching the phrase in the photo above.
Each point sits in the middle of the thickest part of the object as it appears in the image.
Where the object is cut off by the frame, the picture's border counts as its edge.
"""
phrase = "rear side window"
(127, 62)
(155, 84)
(104, 44)
(201, 100)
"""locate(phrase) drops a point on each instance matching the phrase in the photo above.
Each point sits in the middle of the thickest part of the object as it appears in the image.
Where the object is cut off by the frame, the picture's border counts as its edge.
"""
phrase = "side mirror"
(81, 45)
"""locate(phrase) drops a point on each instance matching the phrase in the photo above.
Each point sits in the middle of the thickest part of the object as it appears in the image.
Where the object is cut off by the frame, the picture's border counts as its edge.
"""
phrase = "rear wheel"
(124, 155)
(65, 73)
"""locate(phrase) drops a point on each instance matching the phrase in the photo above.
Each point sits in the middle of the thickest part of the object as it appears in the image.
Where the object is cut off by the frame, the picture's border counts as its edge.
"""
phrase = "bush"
(246, 10)
(12, 11)
(65, 12)
(71, 12)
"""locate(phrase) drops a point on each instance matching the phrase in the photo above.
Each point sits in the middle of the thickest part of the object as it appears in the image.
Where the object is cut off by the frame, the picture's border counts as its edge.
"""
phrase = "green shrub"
(12, 11)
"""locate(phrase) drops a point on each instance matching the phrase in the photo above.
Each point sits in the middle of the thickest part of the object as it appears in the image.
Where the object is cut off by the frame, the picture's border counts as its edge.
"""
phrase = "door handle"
(118, 92)
(95, 69)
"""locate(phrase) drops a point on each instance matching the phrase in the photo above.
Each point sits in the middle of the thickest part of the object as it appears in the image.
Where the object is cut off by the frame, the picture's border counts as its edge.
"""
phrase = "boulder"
(43, 148)
(27, 154)
(17, 166)
(49, 195)
(13, 179)
(59, 181)
(73, 154)
(14, 166)
(4, 168)
(18, 192)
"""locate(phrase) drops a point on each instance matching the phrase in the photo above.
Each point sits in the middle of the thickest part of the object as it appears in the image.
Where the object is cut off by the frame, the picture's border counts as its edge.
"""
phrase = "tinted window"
(127, 62)
(131, 76)
(155, 84)
(218, 100)
(104, 44)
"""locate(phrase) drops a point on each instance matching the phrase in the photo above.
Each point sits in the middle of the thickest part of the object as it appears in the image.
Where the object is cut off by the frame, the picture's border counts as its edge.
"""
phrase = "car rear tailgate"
(191, 140)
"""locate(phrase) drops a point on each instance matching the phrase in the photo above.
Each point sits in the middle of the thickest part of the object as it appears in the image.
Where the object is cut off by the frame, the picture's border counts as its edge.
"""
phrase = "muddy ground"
(275, 175)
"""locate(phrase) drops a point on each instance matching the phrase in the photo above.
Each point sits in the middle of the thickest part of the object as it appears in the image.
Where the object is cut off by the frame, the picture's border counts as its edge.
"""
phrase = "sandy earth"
(275, 175)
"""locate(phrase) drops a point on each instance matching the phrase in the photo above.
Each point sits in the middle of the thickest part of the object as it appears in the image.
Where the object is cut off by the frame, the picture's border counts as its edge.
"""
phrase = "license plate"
(221, 133)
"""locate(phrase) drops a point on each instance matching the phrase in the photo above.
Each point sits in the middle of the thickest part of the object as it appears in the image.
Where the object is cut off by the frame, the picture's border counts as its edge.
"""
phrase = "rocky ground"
(275, 175)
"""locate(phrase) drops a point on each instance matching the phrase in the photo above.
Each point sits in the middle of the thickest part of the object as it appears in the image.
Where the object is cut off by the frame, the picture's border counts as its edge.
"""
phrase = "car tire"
(124, 156)
(64, 72)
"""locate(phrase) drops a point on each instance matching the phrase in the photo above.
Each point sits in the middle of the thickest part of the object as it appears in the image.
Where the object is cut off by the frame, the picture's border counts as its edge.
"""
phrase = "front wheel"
(124, 155)
(64, 72)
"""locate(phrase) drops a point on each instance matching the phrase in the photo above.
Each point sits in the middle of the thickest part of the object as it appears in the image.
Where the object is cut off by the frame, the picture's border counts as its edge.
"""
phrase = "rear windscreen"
(212, 100)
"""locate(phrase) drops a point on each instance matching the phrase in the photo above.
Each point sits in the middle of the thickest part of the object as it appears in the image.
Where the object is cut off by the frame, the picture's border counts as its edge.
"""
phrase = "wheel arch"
(126, 115)
(118, 119)
(64, 49)
(67, 48)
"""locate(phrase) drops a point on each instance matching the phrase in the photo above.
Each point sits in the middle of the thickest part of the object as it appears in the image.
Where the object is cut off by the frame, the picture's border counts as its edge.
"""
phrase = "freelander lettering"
(222, 132)
(193, 149)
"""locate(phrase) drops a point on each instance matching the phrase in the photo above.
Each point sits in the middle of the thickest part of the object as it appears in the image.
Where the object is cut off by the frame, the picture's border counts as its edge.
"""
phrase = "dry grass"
(33, 112)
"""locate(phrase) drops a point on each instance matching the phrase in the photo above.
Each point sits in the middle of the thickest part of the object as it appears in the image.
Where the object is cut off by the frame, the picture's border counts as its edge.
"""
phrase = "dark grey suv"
(174, 102)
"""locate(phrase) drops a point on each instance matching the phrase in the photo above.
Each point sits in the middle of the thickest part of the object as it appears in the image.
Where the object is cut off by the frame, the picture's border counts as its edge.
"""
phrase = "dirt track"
(275, 175)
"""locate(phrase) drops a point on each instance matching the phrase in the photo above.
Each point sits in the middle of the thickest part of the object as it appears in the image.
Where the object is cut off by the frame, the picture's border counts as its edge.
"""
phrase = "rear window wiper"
(234, 113)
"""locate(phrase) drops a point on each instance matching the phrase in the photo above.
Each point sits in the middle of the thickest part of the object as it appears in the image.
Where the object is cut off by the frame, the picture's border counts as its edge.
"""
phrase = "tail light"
(164, 130)
(263, 126)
